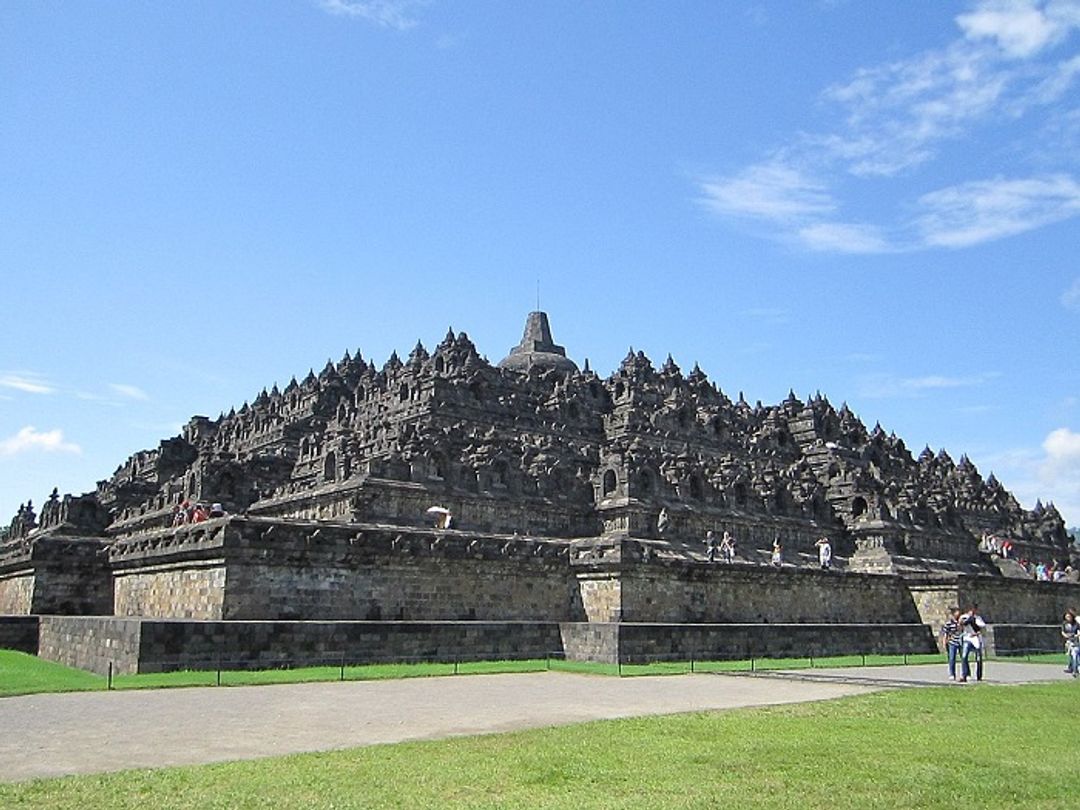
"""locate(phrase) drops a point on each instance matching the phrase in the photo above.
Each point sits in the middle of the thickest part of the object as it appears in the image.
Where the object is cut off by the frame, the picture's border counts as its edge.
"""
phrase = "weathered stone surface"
(556, 480)
(539, 447)
(54, 573)
(19, 633)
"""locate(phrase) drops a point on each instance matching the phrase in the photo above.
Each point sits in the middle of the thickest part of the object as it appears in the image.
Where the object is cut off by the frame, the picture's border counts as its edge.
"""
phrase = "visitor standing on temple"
(824, 553)
(1070, 631)
(727, 547)
(662, 521)
(777, 552)
(972, 642)
(710, 546)
(952, 635)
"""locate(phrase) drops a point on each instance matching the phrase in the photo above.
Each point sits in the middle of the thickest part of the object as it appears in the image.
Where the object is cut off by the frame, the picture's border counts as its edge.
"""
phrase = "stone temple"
(555, 479)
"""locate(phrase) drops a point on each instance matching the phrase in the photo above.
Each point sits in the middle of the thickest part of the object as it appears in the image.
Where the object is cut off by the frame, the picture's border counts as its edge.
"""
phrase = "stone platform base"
(632, 642)
(132, 645)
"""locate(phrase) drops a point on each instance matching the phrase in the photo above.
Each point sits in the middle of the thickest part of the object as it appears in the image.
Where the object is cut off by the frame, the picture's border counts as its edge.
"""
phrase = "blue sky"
(877, 200)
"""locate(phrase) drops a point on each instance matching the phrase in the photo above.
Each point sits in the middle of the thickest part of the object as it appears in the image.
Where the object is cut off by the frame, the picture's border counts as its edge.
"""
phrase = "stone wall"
(1018, 601)
(16, 594)
(1022, 639)
(19, 633)
(601, 595)
(643, 642)
(183, 591)
(91, 642)
(404, 588)
(590, 641)
(47, 573)
(1000, 600)
(700, 592)
(151, 645)
(73, 591)
(263, 569)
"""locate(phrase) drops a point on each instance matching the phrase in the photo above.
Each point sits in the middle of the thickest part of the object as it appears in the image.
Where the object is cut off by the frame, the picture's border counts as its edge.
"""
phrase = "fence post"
(455, 664)
(343, 666)
(219, 671)
(811, 660)
(110, 676)
(547, 662)
(864, 659)
(751, 663)
(691, 663)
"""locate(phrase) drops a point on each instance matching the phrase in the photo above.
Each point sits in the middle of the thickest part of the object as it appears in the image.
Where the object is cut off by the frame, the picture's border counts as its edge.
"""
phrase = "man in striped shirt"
(952, 634)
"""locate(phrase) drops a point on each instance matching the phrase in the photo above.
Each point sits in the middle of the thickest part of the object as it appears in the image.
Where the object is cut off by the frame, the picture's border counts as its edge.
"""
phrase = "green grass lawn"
(26, 674)
(985, 747)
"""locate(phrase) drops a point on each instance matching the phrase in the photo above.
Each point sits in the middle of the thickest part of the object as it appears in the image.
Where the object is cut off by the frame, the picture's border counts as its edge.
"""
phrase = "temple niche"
(538, 446)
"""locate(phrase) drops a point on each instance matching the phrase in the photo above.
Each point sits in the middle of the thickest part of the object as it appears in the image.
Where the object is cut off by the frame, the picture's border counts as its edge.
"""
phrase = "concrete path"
(55, 735)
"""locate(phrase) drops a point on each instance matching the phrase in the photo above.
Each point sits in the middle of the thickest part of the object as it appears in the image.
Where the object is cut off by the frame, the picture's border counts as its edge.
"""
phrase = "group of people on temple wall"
(189, 512)
(1054, 571)
(725, 548)
(992, 544)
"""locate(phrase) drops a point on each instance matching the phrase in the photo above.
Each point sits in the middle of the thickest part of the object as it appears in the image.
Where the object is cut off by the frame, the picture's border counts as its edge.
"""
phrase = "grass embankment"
(22, 674)
(986, 746)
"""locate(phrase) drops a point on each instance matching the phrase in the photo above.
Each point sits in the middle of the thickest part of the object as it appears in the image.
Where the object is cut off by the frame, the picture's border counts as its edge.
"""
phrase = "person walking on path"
(710, 546)
(952, 635)
(973, 624)
(1070, 631)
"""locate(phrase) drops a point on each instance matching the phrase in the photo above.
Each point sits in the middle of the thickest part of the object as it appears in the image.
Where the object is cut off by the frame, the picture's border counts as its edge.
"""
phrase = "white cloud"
(27, 382)
(1070, 299)
(886, 386)
(397, 14)
(1050, 473)
(844, 237)
(1019, 29)
(976, 212)
(769, 191)
(895, 116)
(29, 439)
(897, 113)
(129, 391)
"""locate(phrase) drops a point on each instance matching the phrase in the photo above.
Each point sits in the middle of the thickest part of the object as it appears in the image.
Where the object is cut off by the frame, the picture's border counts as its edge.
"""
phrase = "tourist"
(824, 552)
(217, 511)
(177, 515)
(1070, 631)
(663, 521)
(200, 514)
(727, 548)
(972, 642)
(952, 635)
(710, 546)
(777, 553)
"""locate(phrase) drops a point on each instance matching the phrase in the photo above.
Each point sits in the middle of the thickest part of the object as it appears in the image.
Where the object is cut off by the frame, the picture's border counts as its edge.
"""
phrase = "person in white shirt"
(973, 641)
(824, 553)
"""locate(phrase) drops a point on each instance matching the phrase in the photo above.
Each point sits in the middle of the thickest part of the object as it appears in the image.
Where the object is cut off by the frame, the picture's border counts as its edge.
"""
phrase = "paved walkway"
(89, 732)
